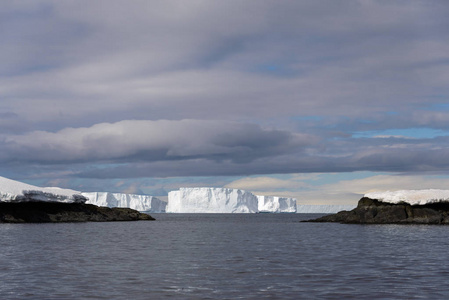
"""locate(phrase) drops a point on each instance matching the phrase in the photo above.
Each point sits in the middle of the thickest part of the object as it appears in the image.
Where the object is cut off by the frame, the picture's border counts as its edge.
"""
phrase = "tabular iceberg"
(323, 209)
(16, 191)
(211, 200)
(137, 202)
(274, 204)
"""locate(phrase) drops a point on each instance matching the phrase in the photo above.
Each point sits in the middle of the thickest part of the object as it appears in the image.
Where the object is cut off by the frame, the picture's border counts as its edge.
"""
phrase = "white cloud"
(350, 191)
(311, 190)
(382, 183)
(261, 184)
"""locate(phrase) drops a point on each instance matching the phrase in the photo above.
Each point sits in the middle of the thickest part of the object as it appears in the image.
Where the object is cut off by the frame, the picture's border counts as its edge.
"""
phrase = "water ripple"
(222, 257)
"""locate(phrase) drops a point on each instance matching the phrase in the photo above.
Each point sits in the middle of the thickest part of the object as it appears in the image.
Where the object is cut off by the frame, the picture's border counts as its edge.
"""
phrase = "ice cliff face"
(16, 191)
(323, 209)
(137, 202)
(211, 200)
(224, 200)
(413, 197)
(274, 204)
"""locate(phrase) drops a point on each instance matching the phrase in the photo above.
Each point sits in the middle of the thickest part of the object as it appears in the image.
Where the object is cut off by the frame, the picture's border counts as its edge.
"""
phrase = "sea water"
(223, 256)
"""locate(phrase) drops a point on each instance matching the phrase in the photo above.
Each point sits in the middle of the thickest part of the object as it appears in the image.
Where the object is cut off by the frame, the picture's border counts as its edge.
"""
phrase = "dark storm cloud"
(152, 141)
(347, 157)
(134, 149)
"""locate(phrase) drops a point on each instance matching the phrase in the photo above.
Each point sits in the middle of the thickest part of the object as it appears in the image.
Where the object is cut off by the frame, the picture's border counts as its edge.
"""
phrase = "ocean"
(223, 256)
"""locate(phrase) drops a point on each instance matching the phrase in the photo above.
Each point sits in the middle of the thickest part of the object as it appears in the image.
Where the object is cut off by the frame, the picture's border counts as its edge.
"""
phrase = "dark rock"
(372, 211)
(52, 212)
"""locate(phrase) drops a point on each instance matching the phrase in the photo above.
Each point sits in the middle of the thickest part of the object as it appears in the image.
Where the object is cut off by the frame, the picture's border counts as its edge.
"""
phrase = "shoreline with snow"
(16, 191)
(24, 203)
(205, 199)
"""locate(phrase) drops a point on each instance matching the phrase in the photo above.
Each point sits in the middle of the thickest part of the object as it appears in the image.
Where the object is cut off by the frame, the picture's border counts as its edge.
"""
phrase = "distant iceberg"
(138, 202)
(16, 191)
(323, 209)
(225, 200)
(413, 197)
(274, 204)
(211, 200)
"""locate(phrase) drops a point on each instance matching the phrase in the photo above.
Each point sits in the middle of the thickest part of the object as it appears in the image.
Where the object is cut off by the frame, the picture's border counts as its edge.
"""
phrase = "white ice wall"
(274, 204)
(211, 200)
(137, 202)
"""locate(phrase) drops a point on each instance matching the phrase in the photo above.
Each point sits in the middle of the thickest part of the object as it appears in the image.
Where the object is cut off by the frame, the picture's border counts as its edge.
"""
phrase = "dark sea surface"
(223, 256)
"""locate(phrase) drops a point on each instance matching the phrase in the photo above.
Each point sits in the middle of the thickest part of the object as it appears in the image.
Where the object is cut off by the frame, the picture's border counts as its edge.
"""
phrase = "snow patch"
(16, 191)
(274, 204)
(413, 197)
(138, 202)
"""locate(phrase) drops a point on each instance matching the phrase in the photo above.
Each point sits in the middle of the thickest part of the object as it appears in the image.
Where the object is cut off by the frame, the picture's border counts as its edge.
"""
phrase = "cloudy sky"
(319, 100)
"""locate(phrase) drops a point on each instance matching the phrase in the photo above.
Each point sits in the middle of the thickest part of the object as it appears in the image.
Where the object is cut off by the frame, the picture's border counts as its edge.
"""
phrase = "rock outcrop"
(54, 212)
(372, 211)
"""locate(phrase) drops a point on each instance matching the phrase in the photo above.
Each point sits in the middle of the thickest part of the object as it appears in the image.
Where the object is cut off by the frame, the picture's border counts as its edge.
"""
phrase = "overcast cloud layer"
(94, 90)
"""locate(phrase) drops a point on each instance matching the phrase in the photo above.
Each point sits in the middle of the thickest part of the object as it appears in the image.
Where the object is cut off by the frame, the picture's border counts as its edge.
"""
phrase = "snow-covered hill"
(16, 191)
(413, 197)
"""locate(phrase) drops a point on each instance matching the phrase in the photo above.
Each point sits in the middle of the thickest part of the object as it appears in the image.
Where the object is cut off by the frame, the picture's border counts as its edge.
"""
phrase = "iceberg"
(412, 197)
(16, 191)
(323, 209)
(211, 200)
(272, 204)
(141, 203)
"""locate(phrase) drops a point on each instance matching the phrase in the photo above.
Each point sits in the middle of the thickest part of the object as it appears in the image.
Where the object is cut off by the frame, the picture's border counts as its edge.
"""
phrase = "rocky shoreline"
(372, 211)
(56, 212)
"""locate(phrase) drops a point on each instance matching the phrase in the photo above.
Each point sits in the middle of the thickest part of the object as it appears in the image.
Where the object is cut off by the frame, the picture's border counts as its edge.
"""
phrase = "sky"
(318, 100)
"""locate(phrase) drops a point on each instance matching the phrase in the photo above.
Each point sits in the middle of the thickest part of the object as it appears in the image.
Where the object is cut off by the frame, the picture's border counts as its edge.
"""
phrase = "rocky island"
(51, 212)
(399, 207)
(23, 203)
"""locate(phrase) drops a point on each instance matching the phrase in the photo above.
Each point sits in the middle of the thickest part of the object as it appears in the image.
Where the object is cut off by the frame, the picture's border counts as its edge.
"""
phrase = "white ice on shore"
(211, 200)
(137, 202)
(323, 209)
(274, 204)
(413, 197)
(16, 191)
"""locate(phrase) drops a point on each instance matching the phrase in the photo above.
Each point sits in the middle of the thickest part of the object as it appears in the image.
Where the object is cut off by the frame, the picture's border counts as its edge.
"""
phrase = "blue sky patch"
(416, 133)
